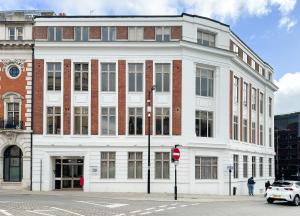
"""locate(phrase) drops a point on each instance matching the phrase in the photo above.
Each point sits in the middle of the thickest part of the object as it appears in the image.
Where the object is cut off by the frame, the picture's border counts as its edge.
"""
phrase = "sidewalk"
(140, 196)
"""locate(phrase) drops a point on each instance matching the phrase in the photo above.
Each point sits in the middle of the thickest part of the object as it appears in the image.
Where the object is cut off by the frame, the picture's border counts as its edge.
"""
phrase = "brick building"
(16, 47)
(92, 75)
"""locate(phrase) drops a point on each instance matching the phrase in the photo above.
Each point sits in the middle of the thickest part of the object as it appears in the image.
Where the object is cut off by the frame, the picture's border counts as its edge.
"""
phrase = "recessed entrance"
(68, 172)
(12, 171)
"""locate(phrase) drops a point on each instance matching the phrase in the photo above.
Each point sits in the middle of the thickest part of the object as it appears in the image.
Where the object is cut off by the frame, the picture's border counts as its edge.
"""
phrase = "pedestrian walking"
(81, 181)
(267, 184)
(251, 183)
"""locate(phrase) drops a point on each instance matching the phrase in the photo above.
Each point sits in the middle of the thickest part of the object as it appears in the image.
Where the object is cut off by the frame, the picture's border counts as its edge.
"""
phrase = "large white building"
(92, 76)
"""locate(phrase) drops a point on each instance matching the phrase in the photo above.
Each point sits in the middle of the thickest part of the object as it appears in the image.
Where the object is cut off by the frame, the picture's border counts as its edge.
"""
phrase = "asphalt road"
(84, 205)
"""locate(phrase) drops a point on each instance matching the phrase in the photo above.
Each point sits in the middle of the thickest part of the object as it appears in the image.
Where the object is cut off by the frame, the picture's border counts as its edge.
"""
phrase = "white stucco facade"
(47, 148)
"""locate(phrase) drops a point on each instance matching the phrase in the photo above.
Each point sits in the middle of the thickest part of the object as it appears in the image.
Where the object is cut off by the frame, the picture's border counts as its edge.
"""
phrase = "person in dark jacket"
(267, 184)
(250, 184)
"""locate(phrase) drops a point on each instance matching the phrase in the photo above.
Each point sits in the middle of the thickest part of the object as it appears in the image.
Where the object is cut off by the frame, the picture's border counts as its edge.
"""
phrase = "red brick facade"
(176, 32)
(149, 33)
(241, 109)
(177, 96)
(122, 33)
(94, 99)
(149, 84)
(122, 97)
(68, 32)
(40, 32)
(95, 32)
(38, 95)
(67, 97)
(230, 103)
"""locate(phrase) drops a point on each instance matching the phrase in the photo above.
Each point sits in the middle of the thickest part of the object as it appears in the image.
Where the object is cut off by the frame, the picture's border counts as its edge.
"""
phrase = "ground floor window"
(13, 160)
(162, 165)
(206, 167)
(135, 165)
(108, 164)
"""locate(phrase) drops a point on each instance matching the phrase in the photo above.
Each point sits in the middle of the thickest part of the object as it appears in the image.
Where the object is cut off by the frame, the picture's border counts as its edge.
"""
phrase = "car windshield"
(282, 184)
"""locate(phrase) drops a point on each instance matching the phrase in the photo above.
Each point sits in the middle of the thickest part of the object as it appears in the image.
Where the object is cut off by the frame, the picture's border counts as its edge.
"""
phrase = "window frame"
(55, 72)
(198, 118)
(81, 72)
(136, 74)
(135, 29)
(245, 130)
(135, 121)
(163, 73)
(81, 39)
(163, 34)
(235, 127)
(16, 30)
(108, 115)
(253, 166)
(245, 166)
(211, 35)
(54, 115)
(108, 160)
(111, 33)
(81, 115)
(55, 34)
(110, 73)
(210, 80)
(161, 118)
(245, 94)
(212, 166)
(162, 161)
(261, 166)
(135, 160)
(235, 166)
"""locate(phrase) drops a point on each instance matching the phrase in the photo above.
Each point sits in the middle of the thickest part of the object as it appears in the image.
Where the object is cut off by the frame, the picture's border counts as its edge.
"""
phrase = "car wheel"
(270, 201)
(296, 200)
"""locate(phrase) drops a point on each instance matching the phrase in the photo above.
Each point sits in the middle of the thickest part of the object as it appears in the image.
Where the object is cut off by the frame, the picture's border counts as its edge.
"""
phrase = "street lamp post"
(149, 130)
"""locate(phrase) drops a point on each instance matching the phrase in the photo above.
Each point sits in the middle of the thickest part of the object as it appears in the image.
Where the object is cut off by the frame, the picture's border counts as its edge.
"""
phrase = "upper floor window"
(236, 89)
(235, 127)
(253, 64)
(162, 77)
(108, 33)
(245, 94)
(204, 123)
(163, 33)
(108, 77)
(253, 99)
(235, 49)
(54, 76)
(12, 105)
(261, 103)
(204, 82)
(162, 121)
(81, 77)
(253, 166)
(15, 33)
(135, 79)
(54, 33)
(13, 112)
(261, 135)
(245, 130)
(235, 166)
(81, 122)
(136, 33)
(270, 76)
(253, 132)
(81, 33)
(53, 120)
(206, 38)
(135, 121)
(108, 121)
(270, 107)
(245, 57)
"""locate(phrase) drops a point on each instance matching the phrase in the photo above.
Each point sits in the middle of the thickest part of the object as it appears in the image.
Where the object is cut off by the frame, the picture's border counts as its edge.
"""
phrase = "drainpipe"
(32, 117)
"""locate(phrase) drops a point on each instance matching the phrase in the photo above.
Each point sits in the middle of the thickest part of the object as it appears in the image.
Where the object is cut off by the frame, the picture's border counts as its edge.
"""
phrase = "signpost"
(175, 160)
(230, 168)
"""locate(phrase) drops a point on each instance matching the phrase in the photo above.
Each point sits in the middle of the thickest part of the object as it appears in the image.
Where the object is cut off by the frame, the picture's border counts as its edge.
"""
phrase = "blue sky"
(269, 27)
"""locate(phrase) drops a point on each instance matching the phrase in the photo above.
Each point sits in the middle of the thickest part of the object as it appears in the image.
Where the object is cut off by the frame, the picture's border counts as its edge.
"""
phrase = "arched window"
(13, 159)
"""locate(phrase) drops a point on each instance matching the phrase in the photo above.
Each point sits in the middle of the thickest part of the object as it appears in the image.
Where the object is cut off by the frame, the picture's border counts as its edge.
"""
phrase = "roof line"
(251, 49)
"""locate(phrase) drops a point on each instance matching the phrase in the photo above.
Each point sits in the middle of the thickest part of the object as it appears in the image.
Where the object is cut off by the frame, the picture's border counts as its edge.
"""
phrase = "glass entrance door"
(68, 172)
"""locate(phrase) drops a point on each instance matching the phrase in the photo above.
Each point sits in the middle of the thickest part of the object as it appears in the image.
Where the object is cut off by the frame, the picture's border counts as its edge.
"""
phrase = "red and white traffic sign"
(176, 154)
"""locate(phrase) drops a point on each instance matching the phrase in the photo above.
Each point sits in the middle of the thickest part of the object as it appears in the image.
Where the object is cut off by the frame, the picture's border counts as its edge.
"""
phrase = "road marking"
(5, 212)
(145, 213)
(64, 210)
(40, 213)
(173, 204)
(195, 204)
(159, 210)
(120, 214)
(136, 211)
(163, 206)
(183, 206)
(104, 204)
(171, 208)
(149, 209)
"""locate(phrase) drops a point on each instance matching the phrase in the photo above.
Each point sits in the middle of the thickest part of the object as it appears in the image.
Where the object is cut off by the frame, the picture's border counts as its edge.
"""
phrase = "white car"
(284, 191)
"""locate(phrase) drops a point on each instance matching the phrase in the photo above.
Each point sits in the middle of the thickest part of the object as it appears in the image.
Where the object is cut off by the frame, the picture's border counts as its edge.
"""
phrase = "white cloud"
(286, 22)
(287, 97)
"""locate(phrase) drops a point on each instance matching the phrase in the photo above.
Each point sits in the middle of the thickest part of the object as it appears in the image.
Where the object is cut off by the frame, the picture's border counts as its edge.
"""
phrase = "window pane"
(77, 33)
(58, 33)
(139, 129)
(166, 82)
(139, 80)
(112, 81)
(158, 84)
(104, 81)
(85, 81)
(85, 33)
(131, 82)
